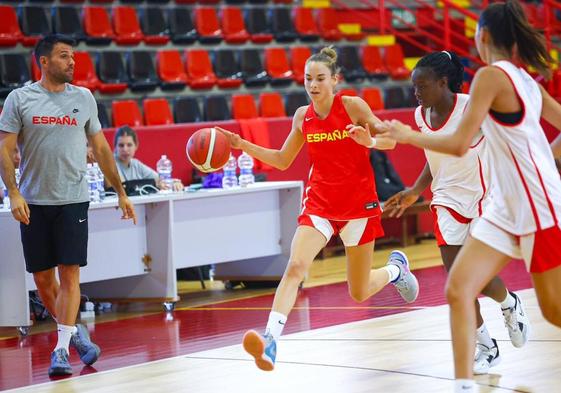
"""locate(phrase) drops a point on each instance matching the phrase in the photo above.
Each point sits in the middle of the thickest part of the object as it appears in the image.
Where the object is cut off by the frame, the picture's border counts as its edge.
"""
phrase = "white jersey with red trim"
(525, 191)
(458, 183)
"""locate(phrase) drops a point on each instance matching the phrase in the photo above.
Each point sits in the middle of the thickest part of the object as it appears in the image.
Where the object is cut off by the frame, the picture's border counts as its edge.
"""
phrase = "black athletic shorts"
(56, 235)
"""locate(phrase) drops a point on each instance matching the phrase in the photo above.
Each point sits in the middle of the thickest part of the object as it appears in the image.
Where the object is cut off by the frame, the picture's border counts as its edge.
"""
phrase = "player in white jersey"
(458, 186)
(521, 219)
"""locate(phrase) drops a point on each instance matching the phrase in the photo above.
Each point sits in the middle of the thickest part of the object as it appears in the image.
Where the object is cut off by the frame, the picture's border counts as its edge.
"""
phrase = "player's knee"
(454, 293)
(297, 269)
(69, 276)
(43, 280)
(358, 294)
(551, 311)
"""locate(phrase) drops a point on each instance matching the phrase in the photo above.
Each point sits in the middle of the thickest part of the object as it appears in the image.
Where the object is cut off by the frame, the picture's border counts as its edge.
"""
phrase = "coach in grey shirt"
(51, 121)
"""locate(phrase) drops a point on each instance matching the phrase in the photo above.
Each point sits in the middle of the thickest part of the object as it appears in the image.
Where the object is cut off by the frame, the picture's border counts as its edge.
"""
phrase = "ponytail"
(509, 29)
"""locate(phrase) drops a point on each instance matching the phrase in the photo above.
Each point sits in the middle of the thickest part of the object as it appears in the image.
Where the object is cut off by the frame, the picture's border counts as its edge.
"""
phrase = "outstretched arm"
(280, 159)
(363, 130)
(104, 157)
(403, 199)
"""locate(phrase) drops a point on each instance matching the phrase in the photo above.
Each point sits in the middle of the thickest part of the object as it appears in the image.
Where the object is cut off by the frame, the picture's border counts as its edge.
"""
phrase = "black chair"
(294, 100)
(141, 71)
(226, 65)
(110, 67)
(216, 108)
(66, 20)
(103, 116)
(257, 21)
(153, 21)
(394, 97)
(181, 27)
(253, 72)
(14, 72)
(283, 28)
(157, 1)
(235, 1)
(258, 1)
(131, 1)
(33, 21)
(351, 66)
(187, 110)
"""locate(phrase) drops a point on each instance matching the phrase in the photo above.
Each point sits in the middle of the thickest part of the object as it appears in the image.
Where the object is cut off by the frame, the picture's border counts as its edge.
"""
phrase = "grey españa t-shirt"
(52, 133)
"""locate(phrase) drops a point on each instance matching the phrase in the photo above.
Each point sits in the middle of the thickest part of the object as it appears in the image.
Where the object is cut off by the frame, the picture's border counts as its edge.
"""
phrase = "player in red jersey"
(340, 198)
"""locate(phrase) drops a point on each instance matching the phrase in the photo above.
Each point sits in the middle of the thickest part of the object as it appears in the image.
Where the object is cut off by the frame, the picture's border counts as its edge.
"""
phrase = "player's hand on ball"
(235, 139)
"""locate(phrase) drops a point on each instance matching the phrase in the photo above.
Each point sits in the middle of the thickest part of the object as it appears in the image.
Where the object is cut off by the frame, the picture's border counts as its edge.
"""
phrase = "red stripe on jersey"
(447, 118)
(482, 179)
(551, 210)
(478, 142)
(534, 211)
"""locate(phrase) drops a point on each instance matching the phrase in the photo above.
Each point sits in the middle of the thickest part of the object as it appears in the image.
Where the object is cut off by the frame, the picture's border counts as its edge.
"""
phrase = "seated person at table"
(126, 144)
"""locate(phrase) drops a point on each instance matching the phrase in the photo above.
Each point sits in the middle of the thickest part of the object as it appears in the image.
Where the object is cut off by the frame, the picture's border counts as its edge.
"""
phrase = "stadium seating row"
(97, 25)
(141, 70)
(218, 107)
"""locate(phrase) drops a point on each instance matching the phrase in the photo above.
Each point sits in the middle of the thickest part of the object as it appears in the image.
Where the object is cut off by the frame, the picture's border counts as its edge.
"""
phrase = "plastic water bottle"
(92, 183)
(18, 176)
(100, 177)
(229, 180)
(164, 168)
(245, 162)
(6, 200)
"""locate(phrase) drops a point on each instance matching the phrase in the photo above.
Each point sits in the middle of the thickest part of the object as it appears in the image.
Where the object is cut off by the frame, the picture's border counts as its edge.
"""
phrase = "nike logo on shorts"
(80, 220)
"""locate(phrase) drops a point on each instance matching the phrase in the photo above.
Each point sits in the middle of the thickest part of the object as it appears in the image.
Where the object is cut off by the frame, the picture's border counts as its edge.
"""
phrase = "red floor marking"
(143, 339)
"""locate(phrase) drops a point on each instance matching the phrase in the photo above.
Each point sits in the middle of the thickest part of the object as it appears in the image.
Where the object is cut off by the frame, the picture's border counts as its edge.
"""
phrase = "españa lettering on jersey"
(61, 121)
(341, 182)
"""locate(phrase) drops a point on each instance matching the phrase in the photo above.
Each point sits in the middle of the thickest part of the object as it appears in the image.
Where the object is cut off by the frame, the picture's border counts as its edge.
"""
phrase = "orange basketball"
(208, 149)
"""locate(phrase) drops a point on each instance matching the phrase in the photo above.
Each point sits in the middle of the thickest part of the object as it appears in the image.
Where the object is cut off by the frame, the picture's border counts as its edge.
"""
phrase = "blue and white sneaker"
(263, 348)
(88, 351)
(406, 283)
(59, 363)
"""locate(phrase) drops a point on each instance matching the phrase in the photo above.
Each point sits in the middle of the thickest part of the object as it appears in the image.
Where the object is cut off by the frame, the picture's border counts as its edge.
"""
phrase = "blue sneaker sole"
(254, 344)
(59, 371)
(91, 356)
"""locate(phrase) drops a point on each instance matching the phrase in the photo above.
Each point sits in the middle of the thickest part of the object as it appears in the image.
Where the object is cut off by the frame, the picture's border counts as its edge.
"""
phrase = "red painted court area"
(143, 339)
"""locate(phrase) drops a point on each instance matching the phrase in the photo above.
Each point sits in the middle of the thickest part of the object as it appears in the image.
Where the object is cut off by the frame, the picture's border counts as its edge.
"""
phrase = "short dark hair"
(46, 44)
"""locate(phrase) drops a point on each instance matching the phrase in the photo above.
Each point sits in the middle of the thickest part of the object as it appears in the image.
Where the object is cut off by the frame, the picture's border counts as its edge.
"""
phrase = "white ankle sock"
(483, 336)
(464, 385)
(509, 301)
(65, 332)
(393, 272)
(276, 323)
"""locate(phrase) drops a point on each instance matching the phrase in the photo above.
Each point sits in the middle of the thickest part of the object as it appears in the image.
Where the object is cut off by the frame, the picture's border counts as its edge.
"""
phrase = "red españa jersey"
(341, 182)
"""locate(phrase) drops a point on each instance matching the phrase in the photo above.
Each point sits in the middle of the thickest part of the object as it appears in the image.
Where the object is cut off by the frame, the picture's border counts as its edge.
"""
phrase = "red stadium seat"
(373, 64)
(171, 70)
(271, 105)
(328, 25)
(305, 24)
(157, 112)
(298, 57)
(84, 71)
(373, 97)
(127, 27)
(243, 107)
(394, 61)
(97, 25)
(199, 69)
(10, 33)
(233, 26)
(207, 25)
(126, 112)
(277, 66)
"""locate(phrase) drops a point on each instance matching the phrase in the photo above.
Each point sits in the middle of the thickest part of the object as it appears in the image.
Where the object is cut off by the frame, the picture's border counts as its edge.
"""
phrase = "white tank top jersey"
(525, 192)
(458, 183)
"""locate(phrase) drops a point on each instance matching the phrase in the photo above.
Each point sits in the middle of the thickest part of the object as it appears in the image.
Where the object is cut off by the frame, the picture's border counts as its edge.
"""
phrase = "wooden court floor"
(407, 352)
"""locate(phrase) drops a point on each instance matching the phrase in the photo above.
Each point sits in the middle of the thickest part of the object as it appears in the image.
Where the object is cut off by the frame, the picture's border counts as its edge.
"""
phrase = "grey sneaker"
(517, 323)
(59, 363)
(406, 283)
(88, 351)
(485, 358)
